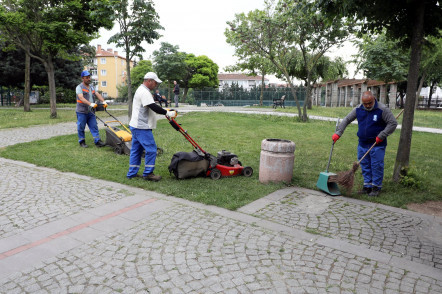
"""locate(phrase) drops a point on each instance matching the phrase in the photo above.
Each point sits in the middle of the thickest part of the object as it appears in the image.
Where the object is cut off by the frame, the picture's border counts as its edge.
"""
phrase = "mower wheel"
(247, 171)
(118, 150)
(215, 174)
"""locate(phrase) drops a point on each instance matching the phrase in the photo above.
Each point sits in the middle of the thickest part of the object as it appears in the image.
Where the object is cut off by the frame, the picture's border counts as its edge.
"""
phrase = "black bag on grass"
(188, 165)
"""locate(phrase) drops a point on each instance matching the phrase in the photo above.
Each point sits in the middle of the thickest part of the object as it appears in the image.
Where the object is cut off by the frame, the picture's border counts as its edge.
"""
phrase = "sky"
(197, 26)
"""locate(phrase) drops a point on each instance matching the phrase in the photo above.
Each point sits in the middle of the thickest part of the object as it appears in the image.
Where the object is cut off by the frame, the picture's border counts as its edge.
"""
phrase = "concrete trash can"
(276, 161)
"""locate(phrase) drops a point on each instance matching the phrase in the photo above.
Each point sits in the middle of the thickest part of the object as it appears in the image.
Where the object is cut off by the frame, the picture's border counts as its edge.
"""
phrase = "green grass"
(16, 117)
(422, 118)
(242, 134)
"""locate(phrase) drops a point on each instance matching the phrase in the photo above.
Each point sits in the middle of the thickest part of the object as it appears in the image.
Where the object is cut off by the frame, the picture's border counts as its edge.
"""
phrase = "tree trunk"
(419, 88)
(306, 102)
(185, 94)
(431, 93)
(169, 91)
(261, 96)
(49, 66)
(404, 147)
(26, 103)
(129, 86)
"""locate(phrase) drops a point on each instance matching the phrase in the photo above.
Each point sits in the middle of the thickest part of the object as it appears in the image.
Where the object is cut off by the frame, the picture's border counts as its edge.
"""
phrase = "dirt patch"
(431, 207)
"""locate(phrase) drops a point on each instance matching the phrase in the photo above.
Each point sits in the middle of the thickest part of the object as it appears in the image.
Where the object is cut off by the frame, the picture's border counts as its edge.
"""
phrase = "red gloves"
(378, 140)
(336, 137)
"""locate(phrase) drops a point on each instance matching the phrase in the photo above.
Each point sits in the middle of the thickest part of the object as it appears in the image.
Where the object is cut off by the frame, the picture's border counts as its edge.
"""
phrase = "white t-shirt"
(143, 117)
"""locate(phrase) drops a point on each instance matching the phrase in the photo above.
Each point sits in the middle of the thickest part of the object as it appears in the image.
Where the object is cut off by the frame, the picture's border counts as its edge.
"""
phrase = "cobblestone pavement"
(377, 228)
(37, 202)
(58, 235)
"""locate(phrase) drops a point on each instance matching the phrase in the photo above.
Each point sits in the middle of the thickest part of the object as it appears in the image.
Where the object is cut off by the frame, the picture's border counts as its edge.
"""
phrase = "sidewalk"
(60, 235)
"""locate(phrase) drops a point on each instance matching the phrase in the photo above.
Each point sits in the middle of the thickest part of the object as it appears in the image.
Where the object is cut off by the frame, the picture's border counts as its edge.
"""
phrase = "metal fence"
(228, 97)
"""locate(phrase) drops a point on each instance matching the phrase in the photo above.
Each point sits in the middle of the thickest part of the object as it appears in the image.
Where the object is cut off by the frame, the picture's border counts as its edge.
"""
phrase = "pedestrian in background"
(176, 91)
(375, 123)
(86, 104)
(143, 120)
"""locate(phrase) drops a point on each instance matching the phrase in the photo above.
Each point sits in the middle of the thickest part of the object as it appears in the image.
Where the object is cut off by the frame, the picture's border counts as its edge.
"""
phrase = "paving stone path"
(58, 235)
(380, 229)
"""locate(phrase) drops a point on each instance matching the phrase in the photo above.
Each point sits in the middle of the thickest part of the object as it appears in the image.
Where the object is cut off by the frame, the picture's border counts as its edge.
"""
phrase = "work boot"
(100, 144)
(152, 177)
(375, 192)
(83, 144)
(365, 190)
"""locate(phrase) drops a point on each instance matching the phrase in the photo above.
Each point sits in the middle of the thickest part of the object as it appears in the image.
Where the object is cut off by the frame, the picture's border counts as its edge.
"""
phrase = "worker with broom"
(375, 123)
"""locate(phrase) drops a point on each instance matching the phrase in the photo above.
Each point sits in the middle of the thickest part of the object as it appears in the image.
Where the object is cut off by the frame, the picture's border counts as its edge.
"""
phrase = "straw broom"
(346, 179)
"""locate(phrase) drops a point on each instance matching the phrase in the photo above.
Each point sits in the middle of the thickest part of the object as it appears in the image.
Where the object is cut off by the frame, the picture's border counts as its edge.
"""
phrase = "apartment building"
(242, 80)
(108, 71)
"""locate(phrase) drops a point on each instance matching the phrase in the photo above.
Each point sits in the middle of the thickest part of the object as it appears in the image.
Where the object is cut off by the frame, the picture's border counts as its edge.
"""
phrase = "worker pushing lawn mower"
(143, 120)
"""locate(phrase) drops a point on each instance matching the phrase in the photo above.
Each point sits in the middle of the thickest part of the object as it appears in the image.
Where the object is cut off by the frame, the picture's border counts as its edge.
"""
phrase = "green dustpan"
(323, 184)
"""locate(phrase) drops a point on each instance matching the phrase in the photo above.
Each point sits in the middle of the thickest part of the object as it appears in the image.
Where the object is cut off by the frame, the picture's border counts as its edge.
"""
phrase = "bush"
(410, 179)
(62, 95)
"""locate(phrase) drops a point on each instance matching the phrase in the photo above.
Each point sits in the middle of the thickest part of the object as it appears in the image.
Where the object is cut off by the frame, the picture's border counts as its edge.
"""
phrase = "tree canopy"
(201, 72)
(47, 29)
(382, 59)
(169, 63)
(138, 22)
(292, 33)
(138, 71)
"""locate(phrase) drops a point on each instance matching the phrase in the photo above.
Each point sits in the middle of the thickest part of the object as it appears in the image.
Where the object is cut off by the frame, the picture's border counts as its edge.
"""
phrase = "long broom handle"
(331, 150)
(397, 116)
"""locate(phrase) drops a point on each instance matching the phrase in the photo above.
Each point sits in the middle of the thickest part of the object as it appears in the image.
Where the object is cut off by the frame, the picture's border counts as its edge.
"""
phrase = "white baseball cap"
(152, 76)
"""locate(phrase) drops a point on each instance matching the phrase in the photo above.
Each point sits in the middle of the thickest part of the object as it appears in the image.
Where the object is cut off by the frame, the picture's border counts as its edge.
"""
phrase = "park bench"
(279, 102)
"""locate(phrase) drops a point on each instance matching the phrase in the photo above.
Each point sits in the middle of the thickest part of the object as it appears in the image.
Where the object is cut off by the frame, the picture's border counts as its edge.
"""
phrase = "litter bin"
(276, 160)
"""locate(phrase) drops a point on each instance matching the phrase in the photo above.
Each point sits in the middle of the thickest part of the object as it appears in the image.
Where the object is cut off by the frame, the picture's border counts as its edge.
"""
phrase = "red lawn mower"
(226, 164)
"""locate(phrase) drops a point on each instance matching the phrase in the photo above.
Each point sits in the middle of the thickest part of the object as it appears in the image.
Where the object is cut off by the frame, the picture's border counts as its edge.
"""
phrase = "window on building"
(103, 83)
(95, 61)
(103, 60)
(104, 94)
(103, 72)
(94, 72)
(122, 62)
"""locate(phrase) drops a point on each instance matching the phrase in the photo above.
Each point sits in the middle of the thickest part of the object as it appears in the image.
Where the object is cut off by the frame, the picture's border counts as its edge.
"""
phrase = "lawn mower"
(119, 138)
(226, 164)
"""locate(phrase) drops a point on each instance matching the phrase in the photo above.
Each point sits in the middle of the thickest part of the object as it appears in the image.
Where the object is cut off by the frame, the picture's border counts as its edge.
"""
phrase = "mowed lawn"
(242, 134)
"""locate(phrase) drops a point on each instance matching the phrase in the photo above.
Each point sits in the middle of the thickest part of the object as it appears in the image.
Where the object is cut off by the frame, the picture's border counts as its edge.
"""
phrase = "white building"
(242, 80)
(437, 92)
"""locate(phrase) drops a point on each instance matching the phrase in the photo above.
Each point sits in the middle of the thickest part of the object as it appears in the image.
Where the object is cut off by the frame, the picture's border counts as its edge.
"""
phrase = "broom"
(346, 179)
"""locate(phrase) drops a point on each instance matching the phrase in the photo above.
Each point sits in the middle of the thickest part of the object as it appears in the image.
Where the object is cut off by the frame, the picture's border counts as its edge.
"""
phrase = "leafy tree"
(253, 65)
(138, 71)
(408, 21)
(328, 69)
(47, 29)
(201, 72)
(169, 64)
(293, 33)
(138, 22)
(264, 33)
(13, 66)
(382, 59)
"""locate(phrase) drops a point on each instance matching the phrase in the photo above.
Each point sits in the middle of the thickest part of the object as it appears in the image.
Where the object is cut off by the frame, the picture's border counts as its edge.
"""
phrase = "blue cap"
(85, 73)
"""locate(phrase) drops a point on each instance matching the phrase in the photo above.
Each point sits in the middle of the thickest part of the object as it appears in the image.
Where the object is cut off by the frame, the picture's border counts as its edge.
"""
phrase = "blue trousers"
(88, 119)
(372, 165)
(142, 140)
